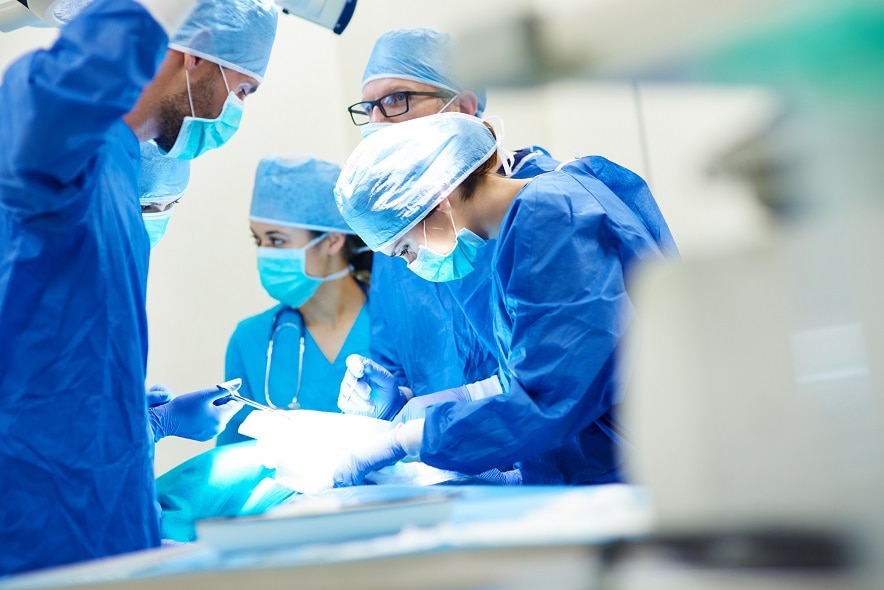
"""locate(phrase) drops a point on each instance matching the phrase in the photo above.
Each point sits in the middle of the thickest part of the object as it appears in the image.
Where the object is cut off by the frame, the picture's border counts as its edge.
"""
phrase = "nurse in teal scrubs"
(310, 261)
(293, 355)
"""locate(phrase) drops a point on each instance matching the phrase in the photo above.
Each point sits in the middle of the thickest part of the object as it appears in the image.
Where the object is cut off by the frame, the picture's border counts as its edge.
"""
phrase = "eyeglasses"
(391, 105)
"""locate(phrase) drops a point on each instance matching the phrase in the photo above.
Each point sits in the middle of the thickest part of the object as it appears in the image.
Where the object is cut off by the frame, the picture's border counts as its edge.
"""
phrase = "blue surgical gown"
(321, 382)
(559, 310)
(75, 455)
(418, 330)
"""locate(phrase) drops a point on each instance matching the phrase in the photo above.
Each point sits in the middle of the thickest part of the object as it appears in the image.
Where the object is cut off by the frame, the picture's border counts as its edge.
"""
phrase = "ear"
(444, 206)
(191, 62)
(333, 243)
(467, 102)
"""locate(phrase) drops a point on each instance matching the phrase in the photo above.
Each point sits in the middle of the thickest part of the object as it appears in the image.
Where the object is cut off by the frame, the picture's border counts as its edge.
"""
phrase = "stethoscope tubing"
(276, 327)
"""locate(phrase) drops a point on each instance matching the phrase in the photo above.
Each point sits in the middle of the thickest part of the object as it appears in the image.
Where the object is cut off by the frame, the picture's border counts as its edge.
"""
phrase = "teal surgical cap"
(161, 179)
(236, 34)
(297, 191)
(396, 176)
(418, 55)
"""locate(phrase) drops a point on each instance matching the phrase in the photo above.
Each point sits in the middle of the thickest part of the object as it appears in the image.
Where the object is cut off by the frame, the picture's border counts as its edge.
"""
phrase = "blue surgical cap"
(396, 176)
(418, 55)
(236, 34)
(162, 179)
(297, 191)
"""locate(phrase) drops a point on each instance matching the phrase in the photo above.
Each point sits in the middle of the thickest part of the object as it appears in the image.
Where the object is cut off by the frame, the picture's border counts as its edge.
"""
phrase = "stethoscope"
(276, 327)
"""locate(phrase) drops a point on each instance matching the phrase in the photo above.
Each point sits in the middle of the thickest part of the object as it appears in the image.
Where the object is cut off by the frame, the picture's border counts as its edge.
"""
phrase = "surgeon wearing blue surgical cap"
(77, 453)
(421, 340)
(561, 245)
(309, 260)
(161, 185)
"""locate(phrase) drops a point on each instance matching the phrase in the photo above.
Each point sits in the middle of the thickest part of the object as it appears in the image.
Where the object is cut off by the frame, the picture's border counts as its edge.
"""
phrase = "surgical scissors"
(232, 388)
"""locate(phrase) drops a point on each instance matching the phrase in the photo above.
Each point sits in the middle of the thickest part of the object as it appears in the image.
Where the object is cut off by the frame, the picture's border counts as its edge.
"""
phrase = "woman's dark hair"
(489, 166)
(357, 255)
(468, 186)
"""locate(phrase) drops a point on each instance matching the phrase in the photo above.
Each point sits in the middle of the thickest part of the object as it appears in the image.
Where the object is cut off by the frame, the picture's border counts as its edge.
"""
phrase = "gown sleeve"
(384, 341)
(561, 311)
(61, 102)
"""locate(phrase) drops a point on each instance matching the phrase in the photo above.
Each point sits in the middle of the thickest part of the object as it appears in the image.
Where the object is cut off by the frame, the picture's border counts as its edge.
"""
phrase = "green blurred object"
(837, 50)
(224, 481)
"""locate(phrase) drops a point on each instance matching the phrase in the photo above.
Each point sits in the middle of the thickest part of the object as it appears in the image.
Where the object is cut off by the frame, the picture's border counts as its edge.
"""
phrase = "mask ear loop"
(315, 241)
(189, 93)
(224, 76)
(504, 156)
(448, 104)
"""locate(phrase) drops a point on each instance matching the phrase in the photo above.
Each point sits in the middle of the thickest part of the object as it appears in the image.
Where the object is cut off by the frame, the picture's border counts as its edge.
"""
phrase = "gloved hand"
(193, 415)
(157, 395)
(497, 477)
(368, 389)
(380, 451)
(417, 406)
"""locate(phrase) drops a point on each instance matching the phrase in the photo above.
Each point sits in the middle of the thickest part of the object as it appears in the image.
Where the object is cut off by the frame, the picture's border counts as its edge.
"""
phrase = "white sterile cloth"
(305, 447)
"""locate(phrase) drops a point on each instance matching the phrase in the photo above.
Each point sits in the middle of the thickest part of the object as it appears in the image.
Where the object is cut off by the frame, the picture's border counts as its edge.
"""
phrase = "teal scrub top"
(247, 359)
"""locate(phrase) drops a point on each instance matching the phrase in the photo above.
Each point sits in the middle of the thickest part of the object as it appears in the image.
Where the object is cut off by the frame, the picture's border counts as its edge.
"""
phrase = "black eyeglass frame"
(366, 112)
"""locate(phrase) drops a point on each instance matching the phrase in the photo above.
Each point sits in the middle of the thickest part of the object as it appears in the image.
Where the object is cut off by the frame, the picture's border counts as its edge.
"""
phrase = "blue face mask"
(155, 224)
(370, 128)
(284, 277)
(198, 135)
(458, 263)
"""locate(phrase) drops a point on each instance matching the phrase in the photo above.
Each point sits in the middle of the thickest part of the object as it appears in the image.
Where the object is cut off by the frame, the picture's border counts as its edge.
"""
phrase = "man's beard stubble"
(174, 108)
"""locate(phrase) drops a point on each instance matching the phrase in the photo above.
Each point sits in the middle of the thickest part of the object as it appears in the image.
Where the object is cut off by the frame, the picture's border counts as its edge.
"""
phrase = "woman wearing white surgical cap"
(564, 242)
(293, 355)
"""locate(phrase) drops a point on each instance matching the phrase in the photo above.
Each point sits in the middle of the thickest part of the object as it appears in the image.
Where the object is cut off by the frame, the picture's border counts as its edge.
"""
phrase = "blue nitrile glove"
(380, 451)
(497, 477)
(368, 389)
(193, 415)
(417, 406)
(157, 395)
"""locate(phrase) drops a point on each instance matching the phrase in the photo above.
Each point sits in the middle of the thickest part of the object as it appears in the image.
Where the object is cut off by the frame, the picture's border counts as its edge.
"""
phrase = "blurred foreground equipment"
(757, 392)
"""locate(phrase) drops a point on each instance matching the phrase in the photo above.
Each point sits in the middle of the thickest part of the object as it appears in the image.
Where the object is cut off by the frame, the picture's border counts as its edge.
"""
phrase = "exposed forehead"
(382, 86)
(261, 229)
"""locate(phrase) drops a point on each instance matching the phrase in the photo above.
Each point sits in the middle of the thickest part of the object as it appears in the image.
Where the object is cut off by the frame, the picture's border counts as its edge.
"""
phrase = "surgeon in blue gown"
(562, 247)
(419, 332)
(76, 456)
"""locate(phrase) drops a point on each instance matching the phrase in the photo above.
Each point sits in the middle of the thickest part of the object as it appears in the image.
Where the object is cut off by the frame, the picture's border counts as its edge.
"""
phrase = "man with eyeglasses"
(421, 340)
(408, 76)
